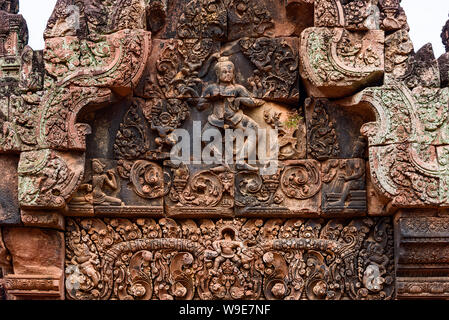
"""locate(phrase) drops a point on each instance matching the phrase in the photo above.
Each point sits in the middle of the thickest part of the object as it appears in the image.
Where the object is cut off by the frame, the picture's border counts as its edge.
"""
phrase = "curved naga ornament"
(229, 259)
(113, 65)
(408, 156)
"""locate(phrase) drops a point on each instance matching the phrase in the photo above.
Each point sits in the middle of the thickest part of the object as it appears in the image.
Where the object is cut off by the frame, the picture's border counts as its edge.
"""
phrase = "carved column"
(422, 254)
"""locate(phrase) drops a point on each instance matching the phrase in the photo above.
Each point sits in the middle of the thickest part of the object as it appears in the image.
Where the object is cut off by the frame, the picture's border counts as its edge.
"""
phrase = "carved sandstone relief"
(37, 264)
(387, 15)
(337, 62)
(47, 178)
(344, 187)
(117, 63)
(334, 132)
(353, 15)
(90, 18)
(293, 189)
(229, 20)
(200, 191)
(14, 37)
(144, 259)
(408, 143)
(392, 15)
(123, 188)
(94, 116)
(9, 204)
(267, 67)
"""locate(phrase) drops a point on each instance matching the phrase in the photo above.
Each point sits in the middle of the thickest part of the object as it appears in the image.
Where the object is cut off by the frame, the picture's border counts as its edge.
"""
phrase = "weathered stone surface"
(35, 251)
(392, 15)
(34, 287)
(14, 37)
(90, 18)
(423, 69)
(5, 257)
(42, 219)
(421, 245)
(445, 36)
(376, 202)
(353, 15)
(403, 115)
(419, 69)
(122, 58)
(47, 178)
(337, 62)
(398, 52)
(387, 15)
(443, 66)
(412, 175)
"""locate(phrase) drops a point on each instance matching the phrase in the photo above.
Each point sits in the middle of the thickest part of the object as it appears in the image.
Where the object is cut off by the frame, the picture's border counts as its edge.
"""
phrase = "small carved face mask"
(226, 72)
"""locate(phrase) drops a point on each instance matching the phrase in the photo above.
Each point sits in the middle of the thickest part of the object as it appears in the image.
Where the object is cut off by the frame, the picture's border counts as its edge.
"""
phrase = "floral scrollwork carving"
(131, 141)
(203, 19)
(329, 13)
(254, 189)
(323, 142)
(277, 67)
(202, 192)
(149, 180)
(229, 259)
(203, 189)
(301, 181)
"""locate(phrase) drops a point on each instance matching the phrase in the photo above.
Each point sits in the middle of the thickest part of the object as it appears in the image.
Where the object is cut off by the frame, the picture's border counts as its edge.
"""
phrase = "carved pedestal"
(37, 263)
